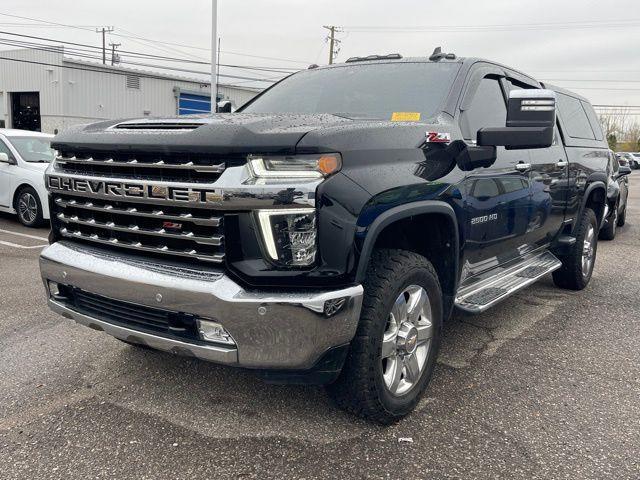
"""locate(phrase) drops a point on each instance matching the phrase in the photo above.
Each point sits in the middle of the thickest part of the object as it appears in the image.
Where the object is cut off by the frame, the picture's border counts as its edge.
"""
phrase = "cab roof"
(396, 58)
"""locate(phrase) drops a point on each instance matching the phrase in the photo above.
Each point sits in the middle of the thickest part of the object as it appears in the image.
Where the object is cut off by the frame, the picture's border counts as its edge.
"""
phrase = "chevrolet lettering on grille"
(111, 189)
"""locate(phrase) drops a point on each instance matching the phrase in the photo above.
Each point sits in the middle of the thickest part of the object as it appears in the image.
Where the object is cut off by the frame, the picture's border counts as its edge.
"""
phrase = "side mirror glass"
(531, 117)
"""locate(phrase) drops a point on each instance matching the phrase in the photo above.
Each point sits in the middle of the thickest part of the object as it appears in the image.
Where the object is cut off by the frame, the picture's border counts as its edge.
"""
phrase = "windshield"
(398, 91)
(34, 149)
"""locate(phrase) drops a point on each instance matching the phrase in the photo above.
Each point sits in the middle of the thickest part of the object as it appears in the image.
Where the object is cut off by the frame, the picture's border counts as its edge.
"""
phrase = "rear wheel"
(29, 208)
(393, 354)
(577, 265)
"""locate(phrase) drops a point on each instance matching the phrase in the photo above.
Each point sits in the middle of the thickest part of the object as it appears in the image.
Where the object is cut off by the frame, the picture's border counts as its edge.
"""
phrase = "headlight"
(289, 235)
(294, 166)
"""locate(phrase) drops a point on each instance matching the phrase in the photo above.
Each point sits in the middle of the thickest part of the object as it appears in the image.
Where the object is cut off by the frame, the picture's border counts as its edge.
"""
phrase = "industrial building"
(48, 91)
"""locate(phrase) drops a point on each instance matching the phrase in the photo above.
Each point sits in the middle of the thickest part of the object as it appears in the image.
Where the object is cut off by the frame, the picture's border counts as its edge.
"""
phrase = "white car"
(631, 159)
(24, 156)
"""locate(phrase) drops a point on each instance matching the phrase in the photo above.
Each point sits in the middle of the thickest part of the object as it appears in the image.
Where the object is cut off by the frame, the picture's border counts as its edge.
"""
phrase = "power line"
(161, 67)
(496, 27)
(616, 106)
(588, 80)
(153, 40)
(605, 88)
(91, 48)
(111, 72)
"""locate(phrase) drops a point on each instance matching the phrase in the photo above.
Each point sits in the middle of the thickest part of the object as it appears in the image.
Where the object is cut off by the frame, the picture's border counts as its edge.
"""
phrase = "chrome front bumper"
(272, 330)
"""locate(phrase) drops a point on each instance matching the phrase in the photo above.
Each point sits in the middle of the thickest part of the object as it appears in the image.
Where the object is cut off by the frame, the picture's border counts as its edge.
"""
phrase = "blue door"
(193, 104)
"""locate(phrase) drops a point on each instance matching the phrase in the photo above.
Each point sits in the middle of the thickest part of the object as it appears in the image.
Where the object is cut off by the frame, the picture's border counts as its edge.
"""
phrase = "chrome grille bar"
(135, 212)
(213, 240)
(133, 163)
(214, 258)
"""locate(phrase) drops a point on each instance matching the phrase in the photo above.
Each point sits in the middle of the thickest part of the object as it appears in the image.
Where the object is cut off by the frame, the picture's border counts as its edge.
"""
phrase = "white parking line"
(23, 235)
(15, 245)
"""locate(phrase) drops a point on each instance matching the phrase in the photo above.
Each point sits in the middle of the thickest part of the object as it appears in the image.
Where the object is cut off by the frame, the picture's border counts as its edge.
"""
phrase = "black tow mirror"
(225, 107)
(531, 117)
(470, 157)
(623, 170)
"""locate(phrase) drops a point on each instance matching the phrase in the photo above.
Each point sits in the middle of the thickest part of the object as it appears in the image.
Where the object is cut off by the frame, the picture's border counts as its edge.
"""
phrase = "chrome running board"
(481, 296)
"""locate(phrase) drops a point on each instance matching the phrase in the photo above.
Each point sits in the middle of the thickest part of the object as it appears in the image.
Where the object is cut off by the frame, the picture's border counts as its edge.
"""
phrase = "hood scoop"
(162, 124)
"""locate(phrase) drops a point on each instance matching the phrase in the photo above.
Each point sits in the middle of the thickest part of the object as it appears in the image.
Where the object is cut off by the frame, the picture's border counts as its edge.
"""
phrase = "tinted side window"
(488, 108)
(574, 117)
(485, 188)
(510, 185)
(593, 120)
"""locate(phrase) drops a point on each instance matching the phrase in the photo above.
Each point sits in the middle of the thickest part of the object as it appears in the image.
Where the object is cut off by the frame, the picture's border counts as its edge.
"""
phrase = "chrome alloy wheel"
(407, 340)
(588, 251)
(27, 207)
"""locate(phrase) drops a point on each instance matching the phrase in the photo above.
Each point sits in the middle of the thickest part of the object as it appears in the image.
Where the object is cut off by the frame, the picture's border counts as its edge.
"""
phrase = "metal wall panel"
(70, 95)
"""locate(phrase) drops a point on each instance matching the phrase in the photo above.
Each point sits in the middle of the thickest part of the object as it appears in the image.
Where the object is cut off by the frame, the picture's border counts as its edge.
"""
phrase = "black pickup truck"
(325, 231)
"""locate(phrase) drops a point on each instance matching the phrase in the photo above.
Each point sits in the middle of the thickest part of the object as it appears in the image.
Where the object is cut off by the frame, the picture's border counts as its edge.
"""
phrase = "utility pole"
(334, 43)
(114, 58)
(104, 31)
(214, 64)
(218, 74)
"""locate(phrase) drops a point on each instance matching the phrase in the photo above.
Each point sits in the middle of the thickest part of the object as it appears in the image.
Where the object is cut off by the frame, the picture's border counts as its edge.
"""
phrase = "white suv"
(24, 156)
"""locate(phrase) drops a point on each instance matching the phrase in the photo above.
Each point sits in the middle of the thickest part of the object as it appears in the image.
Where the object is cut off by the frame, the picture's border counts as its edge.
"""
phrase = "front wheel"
(577, 265)
(394, 351)
(29, 208)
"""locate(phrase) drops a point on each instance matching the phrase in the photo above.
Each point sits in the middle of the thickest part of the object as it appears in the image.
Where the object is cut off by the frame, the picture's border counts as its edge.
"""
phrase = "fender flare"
(398, 213)
(587, 192)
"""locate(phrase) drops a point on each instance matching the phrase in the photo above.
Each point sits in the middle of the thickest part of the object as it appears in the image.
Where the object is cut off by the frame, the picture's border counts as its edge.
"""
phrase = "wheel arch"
(391, 230)
(595, 197)
(20, 186)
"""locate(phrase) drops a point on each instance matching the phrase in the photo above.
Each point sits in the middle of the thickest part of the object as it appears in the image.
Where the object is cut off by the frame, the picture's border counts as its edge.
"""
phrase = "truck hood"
(220, 133)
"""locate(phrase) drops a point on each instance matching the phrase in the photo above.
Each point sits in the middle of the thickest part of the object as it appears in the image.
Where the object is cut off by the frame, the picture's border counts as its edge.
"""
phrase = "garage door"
(191, 104)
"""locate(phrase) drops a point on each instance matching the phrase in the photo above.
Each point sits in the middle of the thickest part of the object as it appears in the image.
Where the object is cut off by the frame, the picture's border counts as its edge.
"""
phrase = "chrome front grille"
(171, 168)
(167, 230)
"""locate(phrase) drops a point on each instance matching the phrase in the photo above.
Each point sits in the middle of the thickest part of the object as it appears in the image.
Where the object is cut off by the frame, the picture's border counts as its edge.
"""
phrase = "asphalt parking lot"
(546, 385)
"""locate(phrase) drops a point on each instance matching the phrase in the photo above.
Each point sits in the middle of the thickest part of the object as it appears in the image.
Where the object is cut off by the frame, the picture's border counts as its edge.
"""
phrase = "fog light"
(214, 332)
(54, 289)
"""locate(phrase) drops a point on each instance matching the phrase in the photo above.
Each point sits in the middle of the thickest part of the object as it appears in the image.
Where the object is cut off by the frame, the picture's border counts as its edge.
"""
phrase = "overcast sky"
(605, 52)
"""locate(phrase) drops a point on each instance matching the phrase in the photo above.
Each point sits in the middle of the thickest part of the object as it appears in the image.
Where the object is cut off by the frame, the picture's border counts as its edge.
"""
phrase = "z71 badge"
(438, 137)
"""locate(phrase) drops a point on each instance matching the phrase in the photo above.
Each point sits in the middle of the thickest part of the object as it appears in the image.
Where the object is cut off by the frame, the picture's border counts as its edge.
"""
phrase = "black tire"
(360, 388)
(571, 275)
(622, 217)
(28, 207)
(608, 231)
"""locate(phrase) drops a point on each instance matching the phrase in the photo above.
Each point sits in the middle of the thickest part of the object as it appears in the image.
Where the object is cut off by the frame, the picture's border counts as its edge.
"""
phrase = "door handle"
(523, 167)
(562, 163)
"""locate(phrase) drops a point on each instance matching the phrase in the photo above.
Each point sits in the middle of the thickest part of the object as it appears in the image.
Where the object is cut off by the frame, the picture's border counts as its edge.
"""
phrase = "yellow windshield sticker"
(405, 117)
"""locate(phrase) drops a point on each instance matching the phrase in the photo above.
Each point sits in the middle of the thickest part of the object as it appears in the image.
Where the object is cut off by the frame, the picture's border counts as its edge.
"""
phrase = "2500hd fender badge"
(116, 190)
